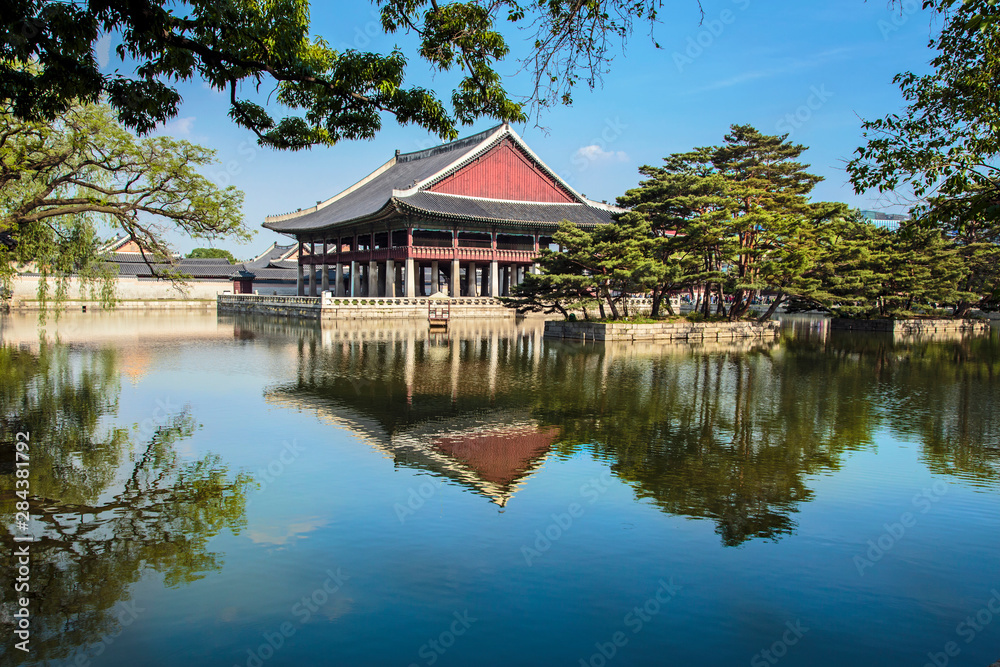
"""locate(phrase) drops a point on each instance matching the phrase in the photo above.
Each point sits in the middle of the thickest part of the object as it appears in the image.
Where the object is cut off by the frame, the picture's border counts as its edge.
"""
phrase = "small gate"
(438, 314)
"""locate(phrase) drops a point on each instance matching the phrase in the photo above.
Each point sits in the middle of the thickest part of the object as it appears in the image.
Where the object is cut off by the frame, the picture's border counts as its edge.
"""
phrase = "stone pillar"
(324, 285)
(494, 279)
(373, 278)
(390, 279)
(299, 285)
(411, 283)
(312, 280)
(338, 280)
(435, 277)
(472, 287)
(355, 278)
(484, 282)
(455, 289)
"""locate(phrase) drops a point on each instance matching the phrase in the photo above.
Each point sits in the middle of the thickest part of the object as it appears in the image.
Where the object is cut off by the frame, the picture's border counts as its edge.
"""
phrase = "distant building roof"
(406, 182)
(209, 268)
(274, 253)
(890, 221)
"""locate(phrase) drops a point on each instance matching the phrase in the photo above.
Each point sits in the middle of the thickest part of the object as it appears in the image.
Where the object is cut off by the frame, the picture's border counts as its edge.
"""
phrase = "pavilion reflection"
(456, 404)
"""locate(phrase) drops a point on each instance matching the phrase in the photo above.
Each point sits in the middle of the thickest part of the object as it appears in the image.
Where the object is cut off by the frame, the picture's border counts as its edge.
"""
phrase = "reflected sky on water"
(233, 491)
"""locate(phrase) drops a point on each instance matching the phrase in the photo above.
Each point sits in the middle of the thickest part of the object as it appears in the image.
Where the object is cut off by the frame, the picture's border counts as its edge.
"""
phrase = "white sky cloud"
(595, 154)
(179, 127)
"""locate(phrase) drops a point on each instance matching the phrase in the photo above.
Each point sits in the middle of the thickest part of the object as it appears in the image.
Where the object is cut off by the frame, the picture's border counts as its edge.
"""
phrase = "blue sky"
(811, 69)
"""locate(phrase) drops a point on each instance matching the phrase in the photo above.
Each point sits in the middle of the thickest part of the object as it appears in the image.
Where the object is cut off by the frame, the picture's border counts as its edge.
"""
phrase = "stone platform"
(660, 331)
(913, 327)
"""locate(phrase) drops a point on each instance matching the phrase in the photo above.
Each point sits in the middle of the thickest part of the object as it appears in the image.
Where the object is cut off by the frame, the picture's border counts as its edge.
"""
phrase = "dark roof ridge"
(458, 144)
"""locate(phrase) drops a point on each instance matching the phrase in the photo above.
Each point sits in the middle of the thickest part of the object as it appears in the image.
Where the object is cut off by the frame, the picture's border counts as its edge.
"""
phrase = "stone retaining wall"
(131, 304)
(912, 327)
(660, 331)
(357, 308)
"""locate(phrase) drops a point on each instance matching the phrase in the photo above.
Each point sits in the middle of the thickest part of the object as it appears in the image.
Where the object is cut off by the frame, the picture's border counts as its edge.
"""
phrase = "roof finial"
(397, 152)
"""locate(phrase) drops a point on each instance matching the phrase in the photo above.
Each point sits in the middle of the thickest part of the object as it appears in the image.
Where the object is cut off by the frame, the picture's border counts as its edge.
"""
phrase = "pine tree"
(732, 219)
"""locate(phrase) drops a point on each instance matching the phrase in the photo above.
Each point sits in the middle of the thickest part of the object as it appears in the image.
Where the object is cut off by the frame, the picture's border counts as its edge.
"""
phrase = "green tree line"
(732, 225)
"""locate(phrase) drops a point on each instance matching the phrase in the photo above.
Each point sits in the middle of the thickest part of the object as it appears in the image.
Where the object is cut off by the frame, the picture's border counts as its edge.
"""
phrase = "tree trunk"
(774, 306)
(600, 307)
(706, 305)
(611, 302)
(614, 309)
(670, 306)
(657, 296)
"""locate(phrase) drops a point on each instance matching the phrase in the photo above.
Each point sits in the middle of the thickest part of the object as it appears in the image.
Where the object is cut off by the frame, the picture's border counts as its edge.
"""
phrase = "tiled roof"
(500, 211)
(268, 273)
(395, 183)
(283, 264)
(272, 254)
(196, 268)
(374, 192)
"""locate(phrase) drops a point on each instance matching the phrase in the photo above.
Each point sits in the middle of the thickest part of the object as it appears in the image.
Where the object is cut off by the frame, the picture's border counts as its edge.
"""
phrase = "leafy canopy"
(60, 180)
(252, 46)
(212, 253)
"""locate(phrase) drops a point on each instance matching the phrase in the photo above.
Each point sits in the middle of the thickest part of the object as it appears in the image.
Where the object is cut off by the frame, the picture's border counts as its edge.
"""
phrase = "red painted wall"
(503, 173)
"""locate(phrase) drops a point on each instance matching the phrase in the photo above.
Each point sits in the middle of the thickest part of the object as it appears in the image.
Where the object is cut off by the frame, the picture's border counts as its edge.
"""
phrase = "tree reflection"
(728, 436)
(729, 432)
(108, 503)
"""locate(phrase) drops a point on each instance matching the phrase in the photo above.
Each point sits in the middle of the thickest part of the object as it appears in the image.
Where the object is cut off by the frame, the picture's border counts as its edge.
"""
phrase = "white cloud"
(595, 154)
(179, 127)
(285, 533)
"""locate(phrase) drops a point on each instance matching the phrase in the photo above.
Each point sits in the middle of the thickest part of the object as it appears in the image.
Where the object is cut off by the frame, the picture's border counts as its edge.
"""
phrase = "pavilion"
(466, 218)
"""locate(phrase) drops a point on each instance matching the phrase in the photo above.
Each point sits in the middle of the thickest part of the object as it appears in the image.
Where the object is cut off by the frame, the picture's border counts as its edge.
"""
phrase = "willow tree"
(61, 180)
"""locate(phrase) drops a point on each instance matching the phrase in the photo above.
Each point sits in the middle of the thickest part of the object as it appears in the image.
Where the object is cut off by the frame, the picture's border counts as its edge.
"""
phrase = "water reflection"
(108, 503)
(730, 432)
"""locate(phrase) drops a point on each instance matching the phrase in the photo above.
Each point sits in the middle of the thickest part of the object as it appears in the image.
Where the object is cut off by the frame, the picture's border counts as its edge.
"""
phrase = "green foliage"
(601, 267)
(731, 219)
(212, 253)
(238, 47)
(867, 272)
(943, 148)
(59, 180)
(137, 504)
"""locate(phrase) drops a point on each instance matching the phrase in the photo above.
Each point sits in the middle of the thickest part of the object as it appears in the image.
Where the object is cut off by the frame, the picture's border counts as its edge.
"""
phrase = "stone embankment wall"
(132, 292)
(348, 308)
(912, 327)
(660, 331)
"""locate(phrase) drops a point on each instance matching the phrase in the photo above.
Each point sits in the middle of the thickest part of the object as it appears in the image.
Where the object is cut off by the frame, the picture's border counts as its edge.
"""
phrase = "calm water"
(249, 492)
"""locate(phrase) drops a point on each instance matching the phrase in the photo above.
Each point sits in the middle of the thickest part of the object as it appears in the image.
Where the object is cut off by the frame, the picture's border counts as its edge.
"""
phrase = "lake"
(260, 492)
